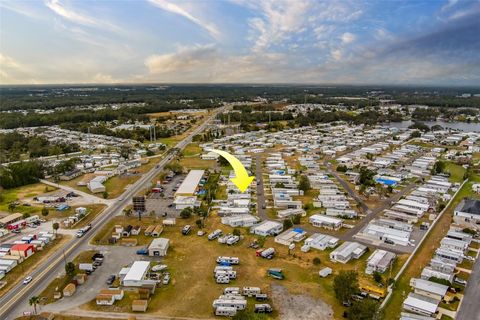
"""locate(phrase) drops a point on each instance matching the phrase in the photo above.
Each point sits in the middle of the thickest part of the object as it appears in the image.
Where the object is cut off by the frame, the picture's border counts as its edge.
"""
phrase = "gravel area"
(299, 307)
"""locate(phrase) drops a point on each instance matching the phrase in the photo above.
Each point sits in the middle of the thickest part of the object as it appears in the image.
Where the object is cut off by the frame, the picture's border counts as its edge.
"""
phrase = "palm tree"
(33, 302)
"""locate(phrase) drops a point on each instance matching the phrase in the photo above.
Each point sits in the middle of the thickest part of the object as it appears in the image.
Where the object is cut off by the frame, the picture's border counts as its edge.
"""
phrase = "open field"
(456, 172)
(424, 254)
(191, 260)
(191, 149)
(197, 163)
(19, 194)
(22, 270)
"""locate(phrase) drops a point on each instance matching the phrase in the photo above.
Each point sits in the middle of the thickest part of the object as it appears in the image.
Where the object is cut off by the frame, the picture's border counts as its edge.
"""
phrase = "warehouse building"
(158, 247)
(190, 184)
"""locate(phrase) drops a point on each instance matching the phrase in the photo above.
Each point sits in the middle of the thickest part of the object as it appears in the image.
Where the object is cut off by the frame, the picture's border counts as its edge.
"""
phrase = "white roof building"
(136, 274)
(190, 184)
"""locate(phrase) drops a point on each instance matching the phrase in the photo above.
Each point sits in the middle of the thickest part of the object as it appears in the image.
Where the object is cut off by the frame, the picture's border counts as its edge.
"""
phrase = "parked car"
(142, 252)
(111, 279)
(27, 280)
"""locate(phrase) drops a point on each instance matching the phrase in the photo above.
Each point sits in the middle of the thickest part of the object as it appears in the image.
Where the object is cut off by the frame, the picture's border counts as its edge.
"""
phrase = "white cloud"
(177, 9)
(347, 37)
(78, 17)
(277, 21)
(185, 59)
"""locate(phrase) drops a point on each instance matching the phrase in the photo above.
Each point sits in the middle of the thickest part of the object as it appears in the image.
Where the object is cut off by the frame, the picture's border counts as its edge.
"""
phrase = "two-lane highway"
(15, 301)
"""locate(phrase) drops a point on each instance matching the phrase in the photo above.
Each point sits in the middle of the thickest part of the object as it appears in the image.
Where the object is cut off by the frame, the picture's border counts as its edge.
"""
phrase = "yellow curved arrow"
(242, 180)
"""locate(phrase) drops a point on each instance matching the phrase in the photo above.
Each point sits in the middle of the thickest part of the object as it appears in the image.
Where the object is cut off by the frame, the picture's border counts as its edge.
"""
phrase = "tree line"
(13, 145)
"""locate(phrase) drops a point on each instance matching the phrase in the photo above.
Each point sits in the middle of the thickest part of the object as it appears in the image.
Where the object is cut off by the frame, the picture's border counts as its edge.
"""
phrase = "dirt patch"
(299, 307)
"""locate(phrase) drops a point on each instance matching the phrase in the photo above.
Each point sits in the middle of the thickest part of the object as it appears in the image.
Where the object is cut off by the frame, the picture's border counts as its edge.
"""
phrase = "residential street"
(471, 300)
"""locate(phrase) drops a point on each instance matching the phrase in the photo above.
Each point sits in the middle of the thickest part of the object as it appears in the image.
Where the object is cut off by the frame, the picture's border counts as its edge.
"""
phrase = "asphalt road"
(262, 213)
(470, 309)
(15, 302)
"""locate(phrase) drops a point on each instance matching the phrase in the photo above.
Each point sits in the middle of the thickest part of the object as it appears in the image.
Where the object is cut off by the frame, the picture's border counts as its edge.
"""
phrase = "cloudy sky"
(240, 41)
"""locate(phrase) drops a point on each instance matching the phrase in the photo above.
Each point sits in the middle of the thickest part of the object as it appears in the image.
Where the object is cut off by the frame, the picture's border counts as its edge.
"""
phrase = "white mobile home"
(347, 251)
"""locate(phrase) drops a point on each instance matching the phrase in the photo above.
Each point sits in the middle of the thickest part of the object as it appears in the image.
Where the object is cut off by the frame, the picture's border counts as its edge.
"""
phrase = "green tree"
(287, 224)
(45, 211)
(377, 276)
(186, 213)
(236, 232)
(33, 301)
(439, 167)
(366, 309)
(304, 184)
(199, 223)
(70, 269)
(105, 194)
(55, 226)
(316, 261)
(296, 219)
(345, 284)
(11, 206)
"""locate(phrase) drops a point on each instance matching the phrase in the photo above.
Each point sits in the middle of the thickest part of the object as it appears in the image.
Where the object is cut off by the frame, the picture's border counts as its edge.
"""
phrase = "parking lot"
(114, 259)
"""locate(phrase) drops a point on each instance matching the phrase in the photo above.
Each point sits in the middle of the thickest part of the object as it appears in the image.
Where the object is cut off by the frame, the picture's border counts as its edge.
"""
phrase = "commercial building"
(190, 184)
(135, 276)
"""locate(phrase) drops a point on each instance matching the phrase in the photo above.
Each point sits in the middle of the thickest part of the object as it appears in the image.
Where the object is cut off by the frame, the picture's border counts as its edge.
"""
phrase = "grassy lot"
(456, 172)
(191, 260)
(115, 186)
(191, 149)
(20, 193)
(197, 163)
(424, 254)
(23, 269)
(60, 282)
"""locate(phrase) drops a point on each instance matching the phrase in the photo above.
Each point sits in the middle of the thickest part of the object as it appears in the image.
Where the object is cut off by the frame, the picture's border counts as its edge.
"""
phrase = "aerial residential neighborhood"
(244, 160)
